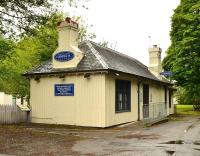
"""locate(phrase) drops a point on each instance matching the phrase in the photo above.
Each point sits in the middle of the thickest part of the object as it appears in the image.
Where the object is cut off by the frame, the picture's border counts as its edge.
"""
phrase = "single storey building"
(90, 85)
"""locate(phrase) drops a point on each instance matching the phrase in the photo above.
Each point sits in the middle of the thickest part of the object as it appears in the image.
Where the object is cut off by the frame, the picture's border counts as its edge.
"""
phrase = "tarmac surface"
(179, 137)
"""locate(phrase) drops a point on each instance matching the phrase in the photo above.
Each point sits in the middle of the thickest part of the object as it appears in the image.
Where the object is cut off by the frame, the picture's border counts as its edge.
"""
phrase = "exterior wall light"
(37, 78)
(87, 75)
(62, 76)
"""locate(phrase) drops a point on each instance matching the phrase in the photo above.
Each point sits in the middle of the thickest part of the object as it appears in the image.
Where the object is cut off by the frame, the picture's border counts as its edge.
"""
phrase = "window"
(122, 96)
(170, 99)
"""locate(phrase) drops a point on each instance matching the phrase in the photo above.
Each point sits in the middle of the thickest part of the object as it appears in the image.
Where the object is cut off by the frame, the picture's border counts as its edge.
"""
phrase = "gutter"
(63, 72)
(141, 77)
(95, 70)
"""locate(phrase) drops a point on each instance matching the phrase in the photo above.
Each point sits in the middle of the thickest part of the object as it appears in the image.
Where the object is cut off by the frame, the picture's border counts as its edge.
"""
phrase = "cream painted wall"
(1, 98)
(85, 108)
(171, 110)
(113, 118)
(5, 99)
(156, 100)
(93, 103)
(141, 101)
(68, 41)
(8, 99)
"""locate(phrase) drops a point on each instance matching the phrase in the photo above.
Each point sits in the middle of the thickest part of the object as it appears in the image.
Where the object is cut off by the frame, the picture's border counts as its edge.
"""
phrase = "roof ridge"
(97, 55)
(122, 54)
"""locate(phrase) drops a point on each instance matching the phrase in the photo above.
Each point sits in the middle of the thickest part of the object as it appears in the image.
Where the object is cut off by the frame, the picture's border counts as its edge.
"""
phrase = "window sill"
(122, 111)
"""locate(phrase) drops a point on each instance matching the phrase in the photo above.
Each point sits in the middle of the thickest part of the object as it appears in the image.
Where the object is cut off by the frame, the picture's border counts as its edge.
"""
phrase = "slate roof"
(97, 57)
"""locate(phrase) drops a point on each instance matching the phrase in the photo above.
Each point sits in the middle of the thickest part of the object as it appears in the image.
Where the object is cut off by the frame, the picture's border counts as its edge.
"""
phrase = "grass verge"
(186, 110)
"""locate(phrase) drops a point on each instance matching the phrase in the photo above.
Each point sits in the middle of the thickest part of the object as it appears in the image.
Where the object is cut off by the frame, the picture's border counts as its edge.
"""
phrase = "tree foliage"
(6, 47)
(183, 56)
(36, 22)
(22, 16)
(83, 32)
(27, 53)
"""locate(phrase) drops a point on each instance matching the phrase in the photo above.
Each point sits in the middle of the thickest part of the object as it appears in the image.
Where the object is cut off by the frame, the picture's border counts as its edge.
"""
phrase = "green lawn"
(186, 109)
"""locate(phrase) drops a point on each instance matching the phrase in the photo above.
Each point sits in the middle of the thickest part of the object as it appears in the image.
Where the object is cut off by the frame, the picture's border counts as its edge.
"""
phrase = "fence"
(155, 110)
(12, 114)
(158, 110)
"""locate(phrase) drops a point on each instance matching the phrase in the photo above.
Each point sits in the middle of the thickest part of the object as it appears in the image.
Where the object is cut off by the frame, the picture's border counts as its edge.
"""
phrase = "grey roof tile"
(89, 62)
(97, 57)
(121, 62)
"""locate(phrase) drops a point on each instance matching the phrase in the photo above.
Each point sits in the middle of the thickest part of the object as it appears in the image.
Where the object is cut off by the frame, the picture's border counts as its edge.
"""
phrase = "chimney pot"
(68, 19)
(155, 46)
(58, 23)
(68, 22)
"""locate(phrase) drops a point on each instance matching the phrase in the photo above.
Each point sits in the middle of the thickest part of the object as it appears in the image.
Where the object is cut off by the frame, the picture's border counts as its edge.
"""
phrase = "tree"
(22, 16)
(6, 47)
(26, 54)
(183, 56)
(29, 52)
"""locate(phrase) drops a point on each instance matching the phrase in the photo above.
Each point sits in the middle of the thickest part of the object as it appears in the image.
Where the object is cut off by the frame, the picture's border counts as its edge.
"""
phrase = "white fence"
(12, 114)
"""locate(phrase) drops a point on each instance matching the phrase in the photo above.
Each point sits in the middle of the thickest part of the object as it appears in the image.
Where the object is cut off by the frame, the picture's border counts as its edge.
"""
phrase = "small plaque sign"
(64, 90)
(166, 73)
(64, 56)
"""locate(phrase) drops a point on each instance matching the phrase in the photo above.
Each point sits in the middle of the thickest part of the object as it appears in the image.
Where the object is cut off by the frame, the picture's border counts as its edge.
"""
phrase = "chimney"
(67, 55)
(155, 66)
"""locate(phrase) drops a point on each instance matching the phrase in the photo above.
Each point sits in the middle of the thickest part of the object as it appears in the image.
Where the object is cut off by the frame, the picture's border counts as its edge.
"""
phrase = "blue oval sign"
(64, 56)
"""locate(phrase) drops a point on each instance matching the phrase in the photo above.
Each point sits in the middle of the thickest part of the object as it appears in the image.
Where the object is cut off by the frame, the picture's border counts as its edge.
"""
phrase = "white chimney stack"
(67, 55)
(155, 66)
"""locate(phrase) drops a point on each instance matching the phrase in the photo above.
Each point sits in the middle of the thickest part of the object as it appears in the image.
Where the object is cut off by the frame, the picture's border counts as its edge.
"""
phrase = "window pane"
(122, 98)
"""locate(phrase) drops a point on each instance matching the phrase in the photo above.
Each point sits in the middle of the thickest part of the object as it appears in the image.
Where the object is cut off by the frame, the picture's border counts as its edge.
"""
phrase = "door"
(145, 100)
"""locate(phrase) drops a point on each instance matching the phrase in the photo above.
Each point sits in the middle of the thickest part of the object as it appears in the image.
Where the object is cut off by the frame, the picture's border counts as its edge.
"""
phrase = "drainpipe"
(138, 91)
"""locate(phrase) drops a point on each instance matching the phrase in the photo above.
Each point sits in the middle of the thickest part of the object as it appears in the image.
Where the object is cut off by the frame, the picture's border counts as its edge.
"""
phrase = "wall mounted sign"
(166, 73)
(64, 56)
(64, 90)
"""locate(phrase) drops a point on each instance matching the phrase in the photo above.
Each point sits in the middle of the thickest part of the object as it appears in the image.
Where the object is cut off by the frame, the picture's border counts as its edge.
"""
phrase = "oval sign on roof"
(64, 56)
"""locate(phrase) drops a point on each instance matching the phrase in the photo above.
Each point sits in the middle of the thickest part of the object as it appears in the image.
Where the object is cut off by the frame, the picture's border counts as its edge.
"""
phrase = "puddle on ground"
(121, 151)
(160, 146)
(170, 152)
(174, 142)
(180, 142)
(139, 136)
(119, 143)
(196, 142)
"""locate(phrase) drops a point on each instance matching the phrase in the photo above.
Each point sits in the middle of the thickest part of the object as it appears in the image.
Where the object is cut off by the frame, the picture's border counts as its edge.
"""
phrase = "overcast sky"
(128, 23)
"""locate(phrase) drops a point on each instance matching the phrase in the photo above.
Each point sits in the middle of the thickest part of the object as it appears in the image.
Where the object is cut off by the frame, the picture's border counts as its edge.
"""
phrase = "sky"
(130, 26)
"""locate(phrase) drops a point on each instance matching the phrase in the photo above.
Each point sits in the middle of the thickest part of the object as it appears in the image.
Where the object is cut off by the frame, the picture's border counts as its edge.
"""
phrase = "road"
(179, 137)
